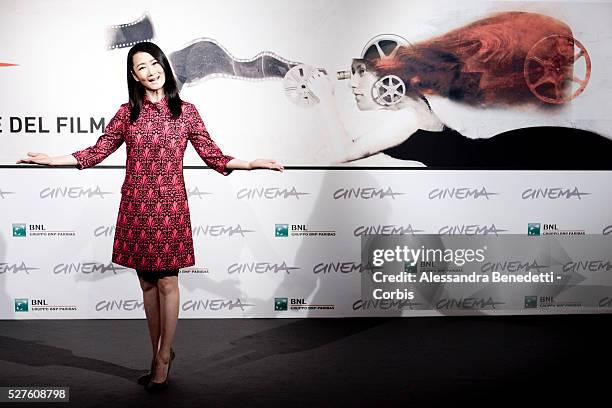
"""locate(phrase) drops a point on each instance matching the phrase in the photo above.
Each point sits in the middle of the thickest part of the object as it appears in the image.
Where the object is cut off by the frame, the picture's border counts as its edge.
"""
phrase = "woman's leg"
(150, 295)
(169, 309)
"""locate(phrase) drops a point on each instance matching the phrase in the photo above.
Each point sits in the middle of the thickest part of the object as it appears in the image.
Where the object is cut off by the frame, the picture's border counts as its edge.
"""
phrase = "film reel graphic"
(550, 76)
(295, 83)
(389, 89)
(382, 41)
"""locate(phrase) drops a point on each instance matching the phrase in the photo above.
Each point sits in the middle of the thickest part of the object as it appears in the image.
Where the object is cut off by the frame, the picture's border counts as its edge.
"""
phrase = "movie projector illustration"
(556, 69)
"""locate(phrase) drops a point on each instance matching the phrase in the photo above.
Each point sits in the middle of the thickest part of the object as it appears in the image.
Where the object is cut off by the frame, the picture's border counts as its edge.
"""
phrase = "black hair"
(136, 90)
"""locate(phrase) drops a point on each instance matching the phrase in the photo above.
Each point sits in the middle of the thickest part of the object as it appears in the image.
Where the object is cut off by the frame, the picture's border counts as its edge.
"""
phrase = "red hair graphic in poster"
(507, 60)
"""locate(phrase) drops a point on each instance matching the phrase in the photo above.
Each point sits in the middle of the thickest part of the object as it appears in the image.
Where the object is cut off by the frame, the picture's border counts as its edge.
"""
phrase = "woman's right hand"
(36, 158)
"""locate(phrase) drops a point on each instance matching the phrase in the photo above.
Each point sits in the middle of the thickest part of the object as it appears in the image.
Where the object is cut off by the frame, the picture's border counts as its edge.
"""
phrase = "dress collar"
(162, 101)
(161, 105)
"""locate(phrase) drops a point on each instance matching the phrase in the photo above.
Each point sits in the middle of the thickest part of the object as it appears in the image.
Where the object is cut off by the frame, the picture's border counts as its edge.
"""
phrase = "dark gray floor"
(476, 361)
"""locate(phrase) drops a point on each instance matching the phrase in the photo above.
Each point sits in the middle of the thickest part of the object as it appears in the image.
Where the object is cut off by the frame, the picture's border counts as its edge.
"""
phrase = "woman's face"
(362, 81)
(148, 71)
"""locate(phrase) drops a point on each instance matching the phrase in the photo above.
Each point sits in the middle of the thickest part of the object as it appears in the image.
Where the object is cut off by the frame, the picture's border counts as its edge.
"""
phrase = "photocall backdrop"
(293, 237)
(284, 245)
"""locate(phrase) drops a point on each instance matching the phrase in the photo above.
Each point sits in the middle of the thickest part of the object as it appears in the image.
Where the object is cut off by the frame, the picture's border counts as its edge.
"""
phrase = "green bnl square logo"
(280, 303)
(409, 268)
(533, 229)
(531, 302)
(19, 230)
(21, 305)
(281, 230)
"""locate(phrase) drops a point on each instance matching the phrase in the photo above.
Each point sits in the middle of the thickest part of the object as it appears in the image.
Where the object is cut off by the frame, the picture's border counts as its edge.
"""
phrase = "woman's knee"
(146, 286)
(167, 285)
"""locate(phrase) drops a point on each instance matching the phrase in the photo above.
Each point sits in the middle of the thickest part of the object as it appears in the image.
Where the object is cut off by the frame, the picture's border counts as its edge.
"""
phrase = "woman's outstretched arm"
(254, 164)
(45, 160)
(106, 144)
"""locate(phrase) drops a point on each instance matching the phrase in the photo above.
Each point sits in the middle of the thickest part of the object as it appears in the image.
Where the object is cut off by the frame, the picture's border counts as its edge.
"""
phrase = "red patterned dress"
(153, 229)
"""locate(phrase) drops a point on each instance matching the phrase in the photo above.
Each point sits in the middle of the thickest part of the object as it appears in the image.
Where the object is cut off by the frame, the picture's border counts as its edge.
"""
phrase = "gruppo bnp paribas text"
(427, 258)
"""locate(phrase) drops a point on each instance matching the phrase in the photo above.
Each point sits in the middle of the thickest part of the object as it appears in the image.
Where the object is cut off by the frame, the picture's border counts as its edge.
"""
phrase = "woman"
(153, 232)
(480, 65)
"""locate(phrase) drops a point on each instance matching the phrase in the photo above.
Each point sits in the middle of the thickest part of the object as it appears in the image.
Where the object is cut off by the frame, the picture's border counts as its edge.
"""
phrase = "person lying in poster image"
(153, 233)
(479, 66)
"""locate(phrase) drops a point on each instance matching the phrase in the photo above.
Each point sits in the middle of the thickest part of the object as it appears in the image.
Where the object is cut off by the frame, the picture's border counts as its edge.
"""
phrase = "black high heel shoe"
(145, 378)
(153, 386)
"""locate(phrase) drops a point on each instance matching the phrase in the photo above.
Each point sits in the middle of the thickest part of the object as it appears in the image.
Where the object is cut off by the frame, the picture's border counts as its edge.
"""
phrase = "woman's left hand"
(266, 164)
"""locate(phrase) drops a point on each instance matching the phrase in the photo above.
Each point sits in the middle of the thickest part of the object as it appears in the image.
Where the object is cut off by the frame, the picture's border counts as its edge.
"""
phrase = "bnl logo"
(533, 229)
(281, 230)
(19, 230)
(280, 304)
(531, 302)
(410, 268)
(21, 305)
